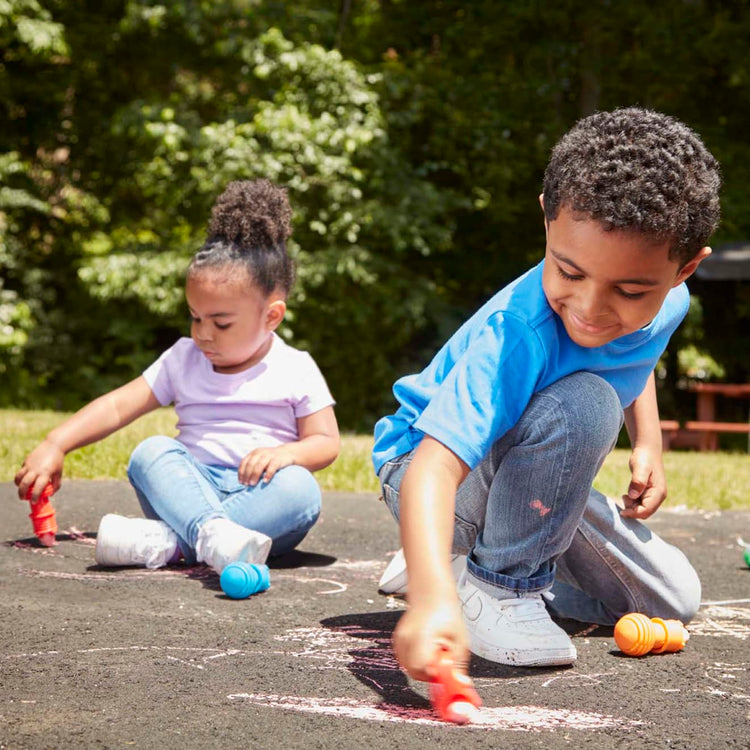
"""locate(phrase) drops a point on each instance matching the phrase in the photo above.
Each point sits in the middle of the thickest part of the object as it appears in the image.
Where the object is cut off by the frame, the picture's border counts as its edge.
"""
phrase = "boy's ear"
(541, 203)
(689, 268)
(275, 314)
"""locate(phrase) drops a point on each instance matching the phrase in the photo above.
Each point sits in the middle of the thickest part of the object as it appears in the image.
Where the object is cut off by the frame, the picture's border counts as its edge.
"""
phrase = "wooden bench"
(703, 433)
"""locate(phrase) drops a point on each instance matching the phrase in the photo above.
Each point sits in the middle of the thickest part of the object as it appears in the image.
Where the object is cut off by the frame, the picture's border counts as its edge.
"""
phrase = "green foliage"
(230, 104)
(412, 138)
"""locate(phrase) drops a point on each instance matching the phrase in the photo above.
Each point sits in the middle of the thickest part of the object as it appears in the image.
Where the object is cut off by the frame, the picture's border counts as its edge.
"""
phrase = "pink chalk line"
(132, 574)
(509, 718)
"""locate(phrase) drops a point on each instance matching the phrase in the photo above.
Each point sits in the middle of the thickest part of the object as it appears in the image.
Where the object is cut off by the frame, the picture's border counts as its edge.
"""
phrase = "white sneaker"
(393, 580)
(221, 541)
(134, 541)
(514, 631)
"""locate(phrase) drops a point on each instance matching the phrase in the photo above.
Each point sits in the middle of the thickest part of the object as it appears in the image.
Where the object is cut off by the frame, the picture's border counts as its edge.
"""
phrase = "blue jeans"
(530, 521)
(175, 488)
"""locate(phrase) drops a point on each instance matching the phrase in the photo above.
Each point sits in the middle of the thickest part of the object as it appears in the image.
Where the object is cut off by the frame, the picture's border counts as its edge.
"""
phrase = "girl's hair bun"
(250, 224)
(252, 214)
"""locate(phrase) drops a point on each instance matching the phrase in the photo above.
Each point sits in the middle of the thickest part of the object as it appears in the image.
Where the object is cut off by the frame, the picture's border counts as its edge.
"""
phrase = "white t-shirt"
(222, 417)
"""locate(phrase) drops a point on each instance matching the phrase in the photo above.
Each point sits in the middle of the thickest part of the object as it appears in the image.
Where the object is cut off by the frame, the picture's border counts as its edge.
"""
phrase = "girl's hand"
(263, 463)
(423, 630)
(43, 465)
(648, 484)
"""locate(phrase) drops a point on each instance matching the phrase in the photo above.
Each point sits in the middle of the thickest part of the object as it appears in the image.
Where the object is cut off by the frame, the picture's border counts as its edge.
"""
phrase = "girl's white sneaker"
(221, 541)
(134, 541)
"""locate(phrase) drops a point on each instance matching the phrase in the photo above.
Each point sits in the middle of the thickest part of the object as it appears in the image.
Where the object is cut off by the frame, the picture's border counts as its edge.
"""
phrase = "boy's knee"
(683, 599)
(590, 405)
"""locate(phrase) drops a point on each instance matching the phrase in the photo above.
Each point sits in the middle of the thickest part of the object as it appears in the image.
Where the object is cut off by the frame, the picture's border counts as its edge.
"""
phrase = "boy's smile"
(606, 284)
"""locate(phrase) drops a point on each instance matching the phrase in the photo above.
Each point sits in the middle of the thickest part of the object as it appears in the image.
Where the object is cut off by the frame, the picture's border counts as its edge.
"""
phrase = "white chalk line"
(208, 654)
(732, 676)
(509, 718)
(716, 619)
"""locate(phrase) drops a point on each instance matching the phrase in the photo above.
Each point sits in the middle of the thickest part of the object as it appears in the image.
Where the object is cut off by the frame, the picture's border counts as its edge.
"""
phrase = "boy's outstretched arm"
(427, 505)
(96, 420)
(648, 484)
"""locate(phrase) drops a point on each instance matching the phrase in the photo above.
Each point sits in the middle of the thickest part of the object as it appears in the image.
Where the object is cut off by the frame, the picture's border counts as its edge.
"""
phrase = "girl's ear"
(275, 314)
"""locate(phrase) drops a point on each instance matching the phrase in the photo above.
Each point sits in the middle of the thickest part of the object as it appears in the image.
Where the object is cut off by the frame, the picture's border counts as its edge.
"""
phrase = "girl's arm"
(427, 506)
(316, 448)
(648, 485)
(95, 421)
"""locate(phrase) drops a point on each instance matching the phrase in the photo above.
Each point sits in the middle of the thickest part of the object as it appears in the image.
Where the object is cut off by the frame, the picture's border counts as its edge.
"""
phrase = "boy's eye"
(568, 276)
(223, 326)
(630, 295)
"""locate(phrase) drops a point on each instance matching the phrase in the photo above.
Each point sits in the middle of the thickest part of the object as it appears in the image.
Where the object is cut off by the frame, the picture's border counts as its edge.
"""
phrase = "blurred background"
(412, 137)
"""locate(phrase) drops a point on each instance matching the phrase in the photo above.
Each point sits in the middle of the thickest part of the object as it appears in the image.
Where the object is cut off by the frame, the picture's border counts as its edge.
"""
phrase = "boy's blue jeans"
(175, 488)
(530, 521)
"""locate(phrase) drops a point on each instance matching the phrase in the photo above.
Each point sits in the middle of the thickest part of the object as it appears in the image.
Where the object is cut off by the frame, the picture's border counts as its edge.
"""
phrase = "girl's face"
(232, 321)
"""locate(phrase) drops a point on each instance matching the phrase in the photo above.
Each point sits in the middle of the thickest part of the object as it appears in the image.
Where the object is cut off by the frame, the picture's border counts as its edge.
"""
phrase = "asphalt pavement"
(92, 657)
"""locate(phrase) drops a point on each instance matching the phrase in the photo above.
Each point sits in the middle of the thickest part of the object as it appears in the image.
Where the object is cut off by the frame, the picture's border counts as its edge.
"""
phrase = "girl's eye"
(223, 326)
(568, 276)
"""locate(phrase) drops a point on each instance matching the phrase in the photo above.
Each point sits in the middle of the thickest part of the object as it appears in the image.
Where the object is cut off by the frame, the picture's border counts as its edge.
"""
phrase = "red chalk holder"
(43, 516)
(452, 693)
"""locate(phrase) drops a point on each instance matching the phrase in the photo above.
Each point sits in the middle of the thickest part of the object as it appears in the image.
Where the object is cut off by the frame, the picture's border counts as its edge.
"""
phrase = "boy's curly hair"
(250, 224)
(635, 169)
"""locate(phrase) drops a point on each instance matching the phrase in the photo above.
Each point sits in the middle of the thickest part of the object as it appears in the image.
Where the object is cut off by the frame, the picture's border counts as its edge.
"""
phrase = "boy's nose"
(592, 303)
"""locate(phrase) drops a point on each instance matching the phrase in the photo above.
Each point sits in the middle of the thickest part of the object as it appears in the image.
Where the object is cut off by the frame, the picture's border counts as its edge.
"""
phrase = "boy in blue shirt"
(495, 444)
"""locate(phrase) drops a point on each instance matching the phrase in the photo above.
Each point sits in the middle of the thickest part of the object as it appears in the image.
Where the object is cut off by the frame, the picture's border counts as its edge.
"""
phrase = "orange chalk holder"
(43, 516)
(636, 635)
(452, 693)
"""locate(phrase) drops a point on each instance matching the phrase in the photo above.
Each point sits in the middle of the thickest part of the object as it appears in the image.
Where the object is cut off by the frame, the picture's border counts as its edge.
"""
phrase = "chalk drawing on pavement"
(729, 681)
(509, 718)
(719, 619)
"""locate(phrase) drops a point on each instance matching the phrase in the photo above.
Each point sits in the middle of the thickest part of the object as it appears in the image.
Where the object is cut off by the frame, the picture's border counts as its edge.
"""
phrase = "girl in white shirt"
(255, 416)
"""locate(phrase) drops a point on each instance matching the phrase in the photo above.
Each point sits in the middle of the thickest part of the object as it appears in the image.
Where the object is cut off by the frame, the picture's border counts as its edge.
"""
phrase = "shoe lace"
(528, 608)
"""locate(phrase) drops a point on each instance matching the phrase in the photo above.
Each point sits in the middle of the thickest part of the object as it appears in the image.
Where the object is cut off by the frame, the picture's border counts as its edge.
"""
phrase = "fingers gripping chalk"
(43, 516)
(451, 692)
(636, 635)
(241, 579)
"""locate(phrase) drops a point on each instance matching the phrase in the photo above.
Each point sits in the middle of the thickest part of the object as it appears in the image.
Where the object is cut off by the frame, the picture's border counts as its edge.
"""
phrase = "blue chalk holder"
(240, 579)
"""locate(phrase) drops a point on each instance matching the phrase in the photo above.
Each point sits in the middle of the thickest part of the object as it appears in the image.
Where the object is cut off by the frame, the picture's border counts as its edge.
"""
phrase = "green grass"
(707, 481)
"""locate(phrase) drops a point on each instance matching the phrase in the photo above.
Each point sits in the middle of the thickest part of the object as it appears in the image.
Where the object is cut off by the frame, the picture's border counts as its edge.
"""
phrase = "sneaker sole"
(103, 554)
(516, 658)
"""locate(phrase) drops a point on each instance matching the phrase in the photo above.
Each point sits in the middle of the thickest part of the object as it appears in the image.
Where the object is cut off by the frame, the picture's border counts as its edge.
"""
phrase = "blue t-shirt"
(479, 384)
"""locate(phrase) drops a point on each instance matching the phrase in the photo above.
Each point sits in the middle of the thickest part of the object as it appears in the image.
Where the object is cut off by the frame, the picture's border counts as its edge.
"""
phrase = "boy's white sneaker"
(221, 541)
(393, 580)
(134, 541)
(516, 631)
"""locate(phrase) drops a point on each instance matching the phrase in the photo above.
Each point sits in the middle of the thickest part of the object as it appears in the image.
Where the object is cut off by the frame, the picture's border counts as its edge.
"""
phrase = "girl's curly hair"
(250, 224)
(635, 169)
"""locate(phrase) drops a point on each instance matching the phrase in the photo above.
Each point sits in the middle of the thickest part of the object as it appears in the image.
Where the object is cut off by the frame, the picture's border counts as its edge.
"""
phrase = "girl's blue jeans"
(175, 488)
(530, 522)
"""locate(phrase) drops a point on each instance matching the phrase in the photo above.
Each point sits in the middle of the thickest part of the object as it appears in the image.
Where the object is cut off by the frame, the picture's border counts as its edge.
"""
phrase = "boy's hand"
(263, 463)
(43, 465)
(648, 484)
(423, 630)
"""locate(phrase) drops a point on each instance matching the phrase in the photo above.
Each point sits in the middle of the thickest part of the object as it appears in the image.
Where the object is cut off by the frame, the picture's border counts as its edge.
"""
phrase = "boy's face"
(606, 284)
